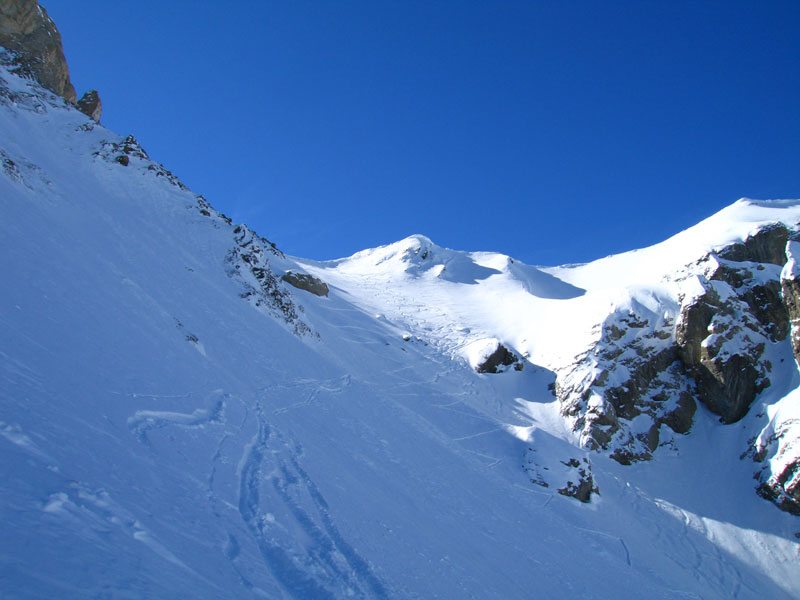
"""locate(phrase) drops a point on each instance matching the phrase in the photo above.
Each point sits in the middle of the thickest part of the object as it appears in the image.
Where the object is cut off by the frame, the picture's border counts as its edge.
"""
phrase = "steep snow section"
(178, 421)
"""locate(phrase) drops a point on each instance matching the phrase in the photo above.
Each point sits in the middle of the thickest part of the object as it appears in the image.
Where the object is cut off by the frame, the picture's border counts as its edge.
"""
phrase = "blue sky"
(555, 132)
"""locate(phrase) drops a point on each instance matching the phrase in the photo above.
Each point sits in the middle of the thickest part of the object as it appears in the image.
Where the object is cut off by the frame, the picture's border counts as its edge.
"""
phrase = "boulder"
(90, 105)
(583, 485)
(500, 357)
(304, 281)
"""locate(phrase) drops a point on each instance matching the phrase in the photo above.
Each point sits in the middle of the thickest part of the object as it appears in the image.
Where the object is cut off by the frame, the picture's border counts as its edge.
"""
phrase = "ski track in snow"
(82, 505)
(328, 561)
(144, 421)
(315, 387)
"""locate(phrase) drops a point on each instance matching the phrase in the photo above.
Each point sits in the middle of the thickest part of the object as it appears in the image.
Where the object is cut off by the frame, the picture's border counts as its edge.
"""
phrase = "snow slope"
(169, 430)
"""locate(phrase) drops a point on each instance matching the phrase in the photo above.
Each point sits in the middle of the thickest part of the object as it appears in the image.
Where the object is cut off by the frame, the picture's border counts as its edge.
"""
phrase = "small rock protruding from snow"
(490, 356)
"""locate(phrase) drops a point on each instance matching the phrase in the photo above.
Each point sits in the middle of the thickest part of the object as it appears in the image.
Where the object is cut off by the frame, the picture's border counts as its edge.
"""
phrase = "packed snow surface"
(163, 437)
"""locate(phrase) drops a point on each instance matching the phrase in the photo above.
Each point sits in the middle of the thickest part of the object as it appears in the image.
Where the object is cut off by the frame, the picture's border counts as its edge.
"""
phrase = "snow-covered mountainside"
(186, 412)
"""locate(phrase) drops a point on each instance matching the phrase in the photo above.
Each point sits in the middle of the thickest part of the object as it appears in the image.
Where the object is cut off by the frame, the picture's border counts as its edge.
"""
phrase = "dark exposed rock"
(768, 245)
(779, 478)
(783, 488)
(26, 29)
(129, 151)
(551, 463)
(90, 105)
(692, 326)
(643, 373)
(10, 167)
(763, 298)
(776, 446)
(766, 304)
(304, 281)
(584, 486)
(21, 171)
(632, 372)
(790, 294)
(501, 356)
(728, 379)
(249, 264)
(722, 334)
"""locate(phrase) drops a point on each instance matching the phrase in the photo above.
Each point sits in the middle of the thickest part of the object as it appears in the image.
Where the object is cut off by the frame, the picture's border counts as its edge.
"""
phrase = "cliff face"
(720, 340)
(26, 29)
(32, 36)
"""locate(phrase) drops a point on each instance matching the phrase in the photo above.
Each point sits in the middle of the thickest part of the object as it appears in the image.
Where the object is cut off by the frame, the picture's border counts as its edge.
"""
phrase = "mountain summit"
(187, 412)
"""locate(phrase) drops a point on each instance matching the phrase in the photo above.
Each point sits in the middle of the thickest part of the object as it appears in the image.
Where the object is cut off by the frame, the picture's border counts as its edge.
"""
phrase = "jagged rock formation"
(90, 105)
(777, 447)
(777, 450)
(547, 466)
(723, 333)
(714, 344)
(26, 29)
(767, 245)
(490, 355)
(249, 263)
(129, 151)
(790, 291)
(646, 369)
(304, 281)
(37, 52)
(584, 486)
(621, 392)
(499, 358)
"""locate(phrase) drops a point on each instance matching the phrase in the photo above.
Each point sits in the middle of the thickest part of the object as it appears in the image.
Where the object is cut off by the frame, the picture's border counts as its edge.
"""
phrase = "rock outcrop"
(249, 263)
(304, 281)
(499, 358)
(627, 386)
(714, 344)
(765, 246)
(128, 151)
(90, 105)
(723, 333)
(26, 29)
(549, 463)
(33, 38)
(790, 292)
(776, 448)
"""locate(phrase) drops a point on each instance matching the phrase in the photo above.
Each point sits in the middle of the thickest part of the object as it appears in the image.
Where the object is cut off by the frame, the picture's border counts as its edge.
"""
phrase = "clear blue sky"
(555, 132)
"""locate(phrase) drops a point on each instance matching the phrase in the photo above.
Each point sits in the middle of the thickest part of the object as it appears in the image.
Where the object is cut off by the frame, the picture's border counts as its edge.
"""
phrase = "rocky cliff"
(715, 341)
(33, 38)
